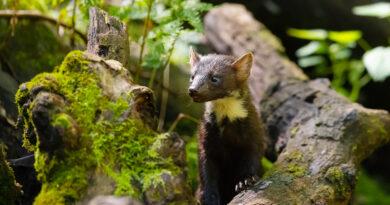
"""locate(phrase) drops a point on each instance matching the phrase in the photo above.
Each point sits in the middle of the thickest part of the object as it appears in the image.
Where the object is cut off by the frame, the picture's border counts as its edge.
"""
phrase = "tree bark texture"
(107, 37)
(317, 137)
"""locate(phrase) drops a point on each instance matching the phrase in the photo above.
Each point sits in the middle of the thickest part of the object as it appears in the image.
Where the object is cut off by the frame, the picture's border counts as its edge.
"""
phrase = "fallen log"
(317, 137)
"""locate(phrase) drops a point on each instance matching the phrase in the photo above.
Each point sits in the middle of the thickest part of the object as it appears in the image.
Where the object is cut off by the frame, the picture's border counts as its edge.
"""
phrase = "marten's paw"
(246, 183)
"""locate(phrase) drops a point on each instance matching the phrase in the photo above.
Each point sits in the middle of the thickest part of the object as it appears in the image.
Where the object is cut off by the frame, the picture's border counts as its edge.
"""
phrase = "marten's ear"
(194, 57)
(243, 66)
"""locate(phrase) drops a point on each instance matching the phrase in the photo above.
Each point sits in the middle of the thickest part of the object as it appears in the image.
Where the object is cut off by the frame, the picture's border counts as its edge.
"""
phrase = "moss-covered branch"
(81, 124)
(317, 137)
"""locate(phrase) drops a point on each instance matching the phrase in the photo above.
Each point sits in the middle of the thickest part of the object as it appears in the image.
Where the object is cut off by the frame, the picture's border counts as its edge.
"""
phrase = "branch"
(318, 137)
(30, 14)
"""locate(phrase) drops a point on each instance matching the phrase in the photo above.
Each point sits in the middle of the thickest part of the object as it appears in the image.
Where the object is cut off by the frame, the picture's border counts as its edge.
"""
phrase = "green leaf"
(191, 13)
(308, 34)
(154, 57)
(314, 47)
(380, 10)
(311, 61)
(339, 52)
(345, 37)
(172, 27)
(377, 63)
(356, 71)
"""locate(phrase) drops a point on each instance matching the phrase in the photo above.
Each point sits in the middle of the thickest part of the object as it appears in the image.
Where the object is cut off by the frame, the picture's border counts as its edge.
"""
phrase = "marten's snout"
(192, 92)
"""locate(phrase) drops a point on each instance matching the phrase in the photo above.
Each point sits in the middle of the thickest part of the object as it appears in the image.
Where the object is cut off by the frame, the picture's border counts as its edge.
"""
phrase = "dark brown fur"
(229, 150)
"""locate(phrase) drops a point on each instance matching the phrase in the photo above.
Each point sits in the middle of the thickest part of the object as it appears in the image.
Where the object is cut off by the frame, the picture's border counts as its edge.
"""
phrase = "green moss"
(121, 148)
(62, 120)
(377, 127)
(130, 145)
(296, 169)
(335, 176)
(294, 155)
(294, 131)
(323, 194)
(293, 165)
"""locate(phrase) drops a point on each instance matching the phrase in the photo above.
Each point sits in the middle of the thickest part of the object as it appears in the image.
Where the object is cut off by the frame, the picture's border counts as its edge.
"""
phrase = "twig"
(144, 35)
(30, 14)
(179, 118)
(364, 44)
(164, 100)
(146, 75)
(164, 96)
(167, 60)
(152, 77)
(72, 40)
(13, 19)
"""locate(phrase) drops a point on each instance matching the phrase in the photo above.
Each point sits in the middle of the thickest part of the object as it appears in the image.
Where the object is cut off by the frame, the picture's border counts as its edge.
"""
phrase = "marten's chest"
(235, 133)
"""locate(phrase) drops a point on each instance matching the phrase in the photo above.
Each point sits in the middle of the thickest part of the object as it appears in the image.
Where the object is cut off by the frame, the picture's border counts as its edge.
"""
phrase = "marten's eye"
(192, 77)
(215, 79)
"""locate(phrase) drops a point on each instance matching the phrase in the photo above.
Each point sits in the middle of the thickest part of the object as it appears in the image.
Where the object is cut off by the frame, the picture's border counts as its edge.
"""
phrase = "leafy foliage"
(376, 60)
(330, 53)
(161, 22)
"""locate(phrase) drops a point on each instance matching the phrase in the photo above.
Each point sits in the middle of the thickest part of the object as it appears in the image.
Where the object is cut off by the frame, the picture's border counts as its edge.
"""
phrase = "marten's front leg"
(249, 171)
(246, 183)
(209, 193)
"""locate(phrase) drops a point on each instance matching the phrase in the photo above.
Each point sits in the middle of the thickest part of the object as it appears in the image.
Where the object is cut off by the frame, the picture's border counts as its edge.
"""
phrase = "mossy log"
(317, 137)
(92, 133)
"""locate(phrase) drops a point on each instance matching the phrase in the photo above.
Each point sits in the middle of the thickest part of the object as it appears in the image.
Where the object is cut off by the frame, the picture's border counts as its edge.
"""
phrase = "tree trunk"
(317, 137)
(107, 37)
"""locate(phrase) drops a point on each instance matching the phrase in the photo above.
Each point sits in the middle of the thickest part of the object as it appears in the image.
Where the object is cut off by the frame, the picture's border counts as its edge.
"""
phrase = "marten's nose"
(192, 91)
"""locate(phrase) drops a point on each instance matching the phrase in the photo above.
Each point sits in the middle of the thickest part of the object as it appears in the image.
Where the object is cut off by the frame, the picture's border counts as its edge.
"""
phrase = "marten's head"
(217, 76)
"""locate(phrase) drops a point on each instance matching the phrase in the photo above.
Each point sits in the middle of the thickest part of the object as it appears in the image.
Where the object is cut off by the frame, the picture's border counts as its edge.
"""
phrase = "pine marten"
(231, 136)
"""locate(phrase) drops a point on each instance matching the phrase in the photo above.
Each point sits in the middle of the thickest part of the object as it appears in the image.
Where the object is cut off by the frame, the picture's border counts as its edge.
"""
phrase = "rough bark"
(317, 137)
(107, 37)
